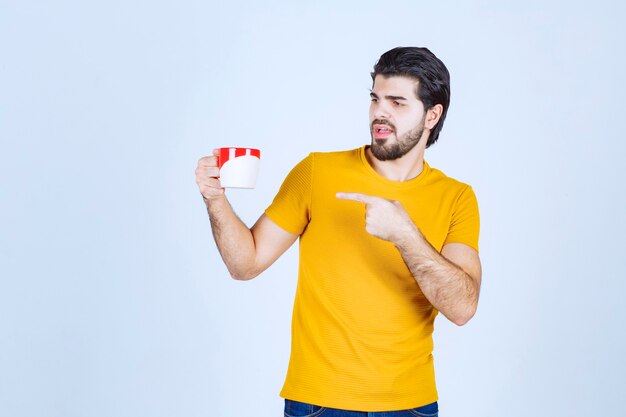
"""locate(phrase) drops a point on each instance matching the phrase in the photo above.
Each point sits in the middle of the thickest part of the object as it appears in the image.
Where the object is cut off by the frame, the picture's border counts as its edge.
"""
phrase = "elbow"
(460, 321)
(244, 270)
(463, 318)
(243, 275)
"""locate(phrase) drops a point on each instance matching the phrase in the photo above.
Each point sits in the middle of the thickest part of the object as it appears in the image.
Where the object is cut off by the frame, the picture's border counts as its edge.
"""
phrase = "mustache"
(382, 122)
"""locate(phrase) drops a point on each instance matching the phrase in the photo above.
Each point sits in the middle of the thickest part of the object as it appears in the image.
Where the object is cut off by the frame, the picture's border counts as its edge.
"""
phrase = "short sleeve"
(465, 222)
(291, 206)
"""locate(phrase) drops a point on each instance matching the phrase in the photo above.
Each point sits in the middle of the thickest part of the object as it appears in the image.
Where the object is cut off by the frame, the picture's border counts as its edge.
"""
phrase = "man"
(386, 242)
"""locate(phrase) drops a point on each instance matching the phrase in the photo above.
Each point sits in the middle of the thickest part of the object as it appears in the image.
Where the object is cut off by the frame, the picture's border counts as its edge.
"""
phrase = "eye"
(374, 99)
(397, 103)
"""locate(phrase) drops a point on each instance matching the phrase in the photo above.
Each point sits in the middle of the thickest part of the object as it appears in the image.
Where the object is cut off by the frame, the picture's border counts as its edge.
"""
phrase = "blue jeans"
(298, 409)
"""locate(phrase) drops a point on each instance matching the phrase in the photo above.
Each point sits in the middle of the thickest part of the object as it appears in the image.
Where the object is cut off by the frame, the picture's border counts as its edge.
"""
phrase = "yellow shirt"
(361, 327)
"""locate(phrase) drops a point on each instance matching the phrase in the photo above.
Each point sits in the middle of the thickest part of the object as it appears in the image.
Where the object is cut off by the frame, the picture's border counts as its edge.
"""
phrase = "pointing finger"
(361, 198)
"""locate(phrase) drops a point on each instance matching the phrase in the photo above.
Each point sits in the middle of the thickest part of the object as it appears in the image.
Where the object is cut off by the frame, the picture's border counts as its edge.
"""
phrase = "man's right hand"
(246, 252)
(207, 177)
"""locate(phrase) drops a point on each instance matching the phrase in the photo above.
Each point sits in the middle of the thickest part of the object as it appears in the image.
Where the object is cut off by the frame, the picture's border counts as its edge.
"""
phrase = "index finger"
(208, 161)
(361, 198)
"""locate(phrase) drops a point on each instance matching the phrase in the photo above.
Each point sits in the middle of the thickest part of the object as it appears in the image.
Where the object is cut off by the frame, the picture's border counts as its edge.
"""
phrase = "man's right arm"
(246, 252)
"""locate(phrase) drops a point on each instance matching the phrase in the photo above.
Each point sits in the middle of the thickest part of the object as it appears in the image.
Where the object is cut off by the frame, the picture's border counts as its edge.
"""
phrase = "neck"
(405, 168)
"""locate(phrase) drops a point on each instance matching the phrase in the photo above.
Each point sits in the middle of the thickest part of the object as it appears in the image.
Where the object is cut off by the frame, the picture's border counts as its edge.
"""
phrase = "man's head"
(430, 77)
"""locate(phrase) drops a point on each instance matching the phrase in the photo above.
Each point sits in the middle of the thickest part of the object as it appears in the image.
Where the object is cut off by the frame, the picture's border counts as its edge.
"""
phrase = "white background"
(113, 298)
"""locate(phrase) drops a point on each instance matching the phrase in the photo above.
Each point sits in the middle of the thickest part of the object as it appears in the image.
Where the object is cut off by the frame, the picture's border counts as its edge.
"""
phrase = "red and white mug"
(239, 167)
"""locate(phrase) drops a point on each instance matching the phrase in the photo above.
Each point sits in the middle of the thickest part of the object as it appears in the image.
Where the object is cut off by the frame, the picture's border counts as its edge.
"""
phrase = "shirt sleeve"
(465, 223)
(292, 205)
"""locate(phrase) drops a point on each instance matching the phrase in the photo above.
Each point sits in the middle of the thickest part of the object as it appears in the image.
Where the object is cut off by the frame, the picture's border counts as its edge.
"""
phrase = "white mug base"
(240, 172)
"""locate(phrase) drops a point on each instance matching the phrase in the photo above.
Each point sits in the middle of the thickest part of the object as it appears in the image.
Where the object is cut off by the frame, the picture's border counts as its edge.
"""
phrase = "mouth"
(381, 131)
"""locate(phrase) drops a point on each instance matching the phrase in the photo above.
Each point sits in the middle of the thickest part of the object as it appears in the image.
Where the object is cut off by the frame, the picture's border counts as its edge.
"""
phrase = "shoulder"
(325, 162)
(332, 161)
(336, 156)
(440, 180)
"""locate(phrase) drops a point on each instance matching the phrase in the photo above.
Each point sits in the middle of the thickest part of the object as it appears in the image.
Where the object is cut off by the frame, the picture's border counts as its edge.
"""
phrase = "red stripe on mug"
(223, 156)
(227, 153)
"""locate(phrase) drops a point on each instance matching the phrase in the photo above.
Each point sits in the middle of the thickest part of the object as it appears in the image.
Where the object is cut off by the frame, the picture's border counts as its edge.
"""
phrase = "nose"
(379, 110)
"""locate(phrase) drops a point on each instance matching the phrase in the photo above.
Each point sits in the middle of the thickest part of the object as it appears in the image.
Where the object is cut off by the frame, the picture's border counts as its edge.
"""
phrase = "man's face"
(396, 117)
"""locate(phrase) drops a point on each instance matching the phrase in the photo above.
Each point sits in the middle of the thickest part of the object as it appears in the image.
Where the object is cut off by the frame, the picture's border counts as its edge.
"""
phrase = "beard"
(384, 151)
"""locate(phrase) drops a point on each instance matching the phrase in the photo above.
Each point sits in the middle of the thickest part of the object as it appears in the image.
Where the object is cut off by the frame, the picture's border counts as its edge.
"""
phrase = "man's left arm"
(450, 280)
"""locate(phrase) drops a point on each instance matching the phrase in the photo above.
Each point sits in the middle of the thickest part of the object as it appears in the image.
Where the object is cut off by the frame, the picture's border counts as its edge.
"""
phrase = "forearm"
(233, 238)
(449, 288)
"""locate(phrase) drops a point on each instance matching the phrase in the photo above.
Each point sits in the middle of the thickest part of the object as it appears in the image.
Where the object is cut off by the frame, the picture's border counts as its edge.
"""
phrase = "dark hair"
(432, 75)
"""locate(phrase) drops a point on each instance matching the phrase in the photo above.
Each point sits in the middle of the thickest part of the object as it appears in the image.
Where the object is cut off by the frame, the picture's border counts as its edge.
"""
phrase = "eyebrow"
(374, 95)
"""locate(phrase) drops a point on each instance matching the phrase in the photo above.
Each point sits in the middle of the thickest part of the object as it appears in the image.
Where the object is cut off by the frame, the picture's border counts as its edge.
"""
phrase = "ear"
(432, 116)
